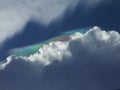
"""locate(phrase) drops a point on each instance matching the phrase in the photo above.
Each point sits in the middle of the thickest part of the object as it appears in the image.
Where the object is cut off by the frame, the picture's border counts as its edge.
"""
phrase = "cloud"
(14, 15)
(91, 59)
(91, 44)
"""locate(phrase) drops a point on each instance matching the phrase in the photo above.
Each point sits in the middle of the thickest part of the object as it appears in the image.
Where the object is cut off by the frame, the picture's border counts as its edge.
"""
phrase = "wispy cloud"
(14, 15)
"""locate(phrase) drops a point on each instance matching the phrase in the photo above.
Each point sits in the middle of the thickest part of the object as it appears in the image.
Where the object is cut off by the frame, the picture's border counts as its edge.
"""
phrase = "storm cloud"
(90, 61)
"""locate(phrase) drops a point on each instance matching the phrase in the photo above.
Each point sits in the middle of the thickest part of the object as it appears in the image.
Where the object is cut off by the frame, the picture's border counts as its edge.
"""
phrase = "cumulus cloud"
(14, 15)
(93, 44)
(93, 57)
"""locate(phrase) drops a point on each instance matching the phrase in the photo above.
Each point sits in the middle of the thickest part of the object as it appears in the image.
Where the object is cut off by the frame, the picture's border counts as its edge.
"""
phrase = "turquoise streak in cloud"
(29, 50)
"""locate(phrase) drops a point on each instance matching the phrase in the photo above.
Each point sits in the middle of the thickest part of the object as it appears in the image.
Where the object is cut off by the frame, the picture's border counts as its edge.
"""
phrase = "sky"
(89, 61)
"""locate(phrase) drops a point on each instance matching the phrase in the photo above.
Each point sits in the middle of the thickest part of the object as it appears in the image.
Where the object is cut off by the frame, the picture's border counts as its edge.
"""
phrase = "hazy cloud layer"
(90, 59)
(14, 15)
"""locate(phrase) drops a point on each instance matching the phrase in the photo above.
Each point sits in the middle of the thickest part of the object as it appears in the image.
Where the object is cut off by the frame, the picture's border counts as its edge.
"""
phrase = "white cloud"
(95, 43)
(4, 64)
(95, 58)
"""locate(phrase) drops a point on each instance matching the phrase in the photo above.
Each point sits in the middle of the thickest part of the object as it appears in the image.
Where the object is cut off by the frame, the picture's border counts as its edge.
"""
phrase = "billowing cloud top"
(91, 59)
(93, 44)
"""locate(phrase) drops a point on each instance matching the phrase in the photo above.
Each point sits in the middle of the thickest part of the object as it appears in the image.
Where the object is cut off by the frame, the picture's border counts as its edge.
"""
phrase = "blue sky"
(105, 15)
(87, 69)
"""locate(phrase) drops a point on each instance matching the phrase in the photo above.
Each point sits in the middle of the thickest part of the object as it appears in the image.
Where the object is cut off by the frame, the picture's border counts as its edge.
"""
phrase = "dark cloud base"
(75, 75)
